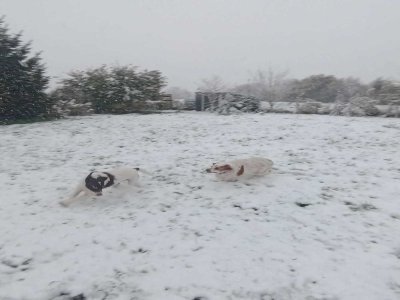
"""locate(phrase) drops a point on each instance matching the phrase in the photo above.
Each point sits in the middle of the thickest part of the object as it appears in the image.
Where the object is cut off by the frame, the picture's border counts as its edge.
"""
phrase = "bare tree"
(214, 84)
(267, 86)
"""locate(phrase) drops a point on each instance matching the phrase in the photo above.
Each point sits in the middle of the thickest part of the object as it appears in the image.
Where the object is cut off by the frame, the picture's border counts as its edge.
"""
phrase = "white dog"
(241, 168)
(95, 182)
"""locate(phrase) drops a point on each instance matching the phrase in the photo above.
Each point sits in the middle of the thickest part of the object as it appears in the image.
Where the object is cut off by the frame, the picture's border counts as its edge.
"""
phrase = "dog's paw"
(62, 203)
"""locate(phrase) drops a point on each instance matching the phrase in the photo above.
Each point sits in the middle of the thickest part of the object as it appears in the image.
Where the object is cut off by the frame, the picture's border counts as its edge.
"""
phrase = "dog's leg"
(68, 201)
(74, 196)
(134, 182)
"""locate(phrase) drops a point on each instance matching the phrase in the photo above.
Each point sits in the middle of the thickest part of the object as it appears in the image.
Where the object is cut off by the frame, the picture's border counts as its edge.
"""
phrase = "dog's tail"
(143, 171)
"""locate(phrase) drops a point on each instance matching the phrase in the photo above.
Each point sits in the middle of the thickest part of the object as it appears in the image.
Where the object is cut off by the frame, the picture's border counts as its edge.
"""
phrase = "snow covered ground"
(324, 225)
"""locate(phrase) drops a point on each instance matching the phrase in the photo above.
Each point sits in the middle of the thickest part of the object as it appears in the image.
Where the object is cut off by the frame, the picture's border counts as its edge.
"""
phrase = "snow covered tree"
(339, 105)
(226, 103)
(70, 98)
(22, 80)
(97, 89)
(361, 106)
(230, 103)
(120, 89)
(267, 86)
(308, 106)
(385, 91)
(320, 88)
(152, 82)
(352, 87)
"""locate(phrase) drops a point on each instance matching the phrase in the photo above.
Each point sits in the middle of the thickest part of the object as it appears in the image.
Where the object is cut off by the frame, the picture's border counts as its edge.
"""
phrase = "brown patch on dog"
(241, 171)
(224, 168)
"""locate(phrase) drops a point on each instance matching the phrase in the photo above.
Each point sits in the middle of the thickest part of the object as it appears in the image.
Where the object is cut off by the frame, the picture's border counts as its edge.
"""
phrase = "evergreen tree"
(152, 82)
(22, 80)
(97, 89)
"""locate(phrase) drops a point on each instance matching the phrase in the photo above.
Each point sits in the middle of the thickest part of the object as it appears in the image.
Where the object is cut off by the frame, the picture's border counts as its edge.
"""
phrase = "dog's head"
(219, 168)
(96, 181)
(223, 168)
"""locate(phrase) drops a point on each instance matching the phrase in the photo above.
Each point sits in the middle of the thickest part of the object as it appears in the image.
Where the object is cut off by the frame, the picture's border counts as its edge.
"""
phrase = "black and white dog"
(96, 181)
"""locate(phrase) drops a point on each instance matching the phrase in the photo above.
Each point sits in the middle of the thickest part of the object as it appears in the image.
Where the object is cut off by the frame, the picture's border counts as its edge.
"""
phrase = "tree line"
(273, 86)
(24, 92)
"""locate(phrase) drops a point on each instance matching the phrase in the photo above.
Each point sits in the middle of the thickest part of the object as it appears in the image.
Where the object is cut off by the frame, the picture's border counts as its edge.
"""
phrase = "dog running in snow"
(96, 181)
(241, 168)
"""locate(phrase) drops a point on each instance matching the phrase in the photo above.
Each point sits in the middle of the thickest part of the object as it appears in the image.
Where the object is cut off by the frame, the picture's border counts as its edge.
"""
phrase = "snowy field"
(325, 224)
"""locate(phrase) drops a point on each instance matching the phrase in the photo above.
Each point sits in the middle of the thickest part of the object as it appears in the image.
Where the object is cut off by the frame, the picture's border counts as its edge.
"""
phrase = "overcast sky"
(188, 40)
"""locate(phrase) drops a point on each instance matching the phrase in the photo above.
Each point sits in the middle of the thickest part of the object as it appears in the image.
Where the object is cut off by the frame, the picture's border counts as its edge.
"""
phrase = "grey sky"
(189, 40)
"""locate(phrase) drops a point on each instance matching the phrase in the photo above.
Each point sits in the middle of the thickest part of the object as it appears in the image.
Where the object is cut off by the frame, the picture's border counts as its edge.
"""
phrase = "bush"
(108, 90)
(308, 107)
(361, 106)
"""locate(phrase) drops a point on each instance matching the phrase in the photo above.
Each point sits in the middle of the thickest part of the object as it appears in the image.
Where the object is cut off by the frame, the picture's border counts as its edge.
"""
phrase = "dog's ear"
(88, 178)
(241, 171)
